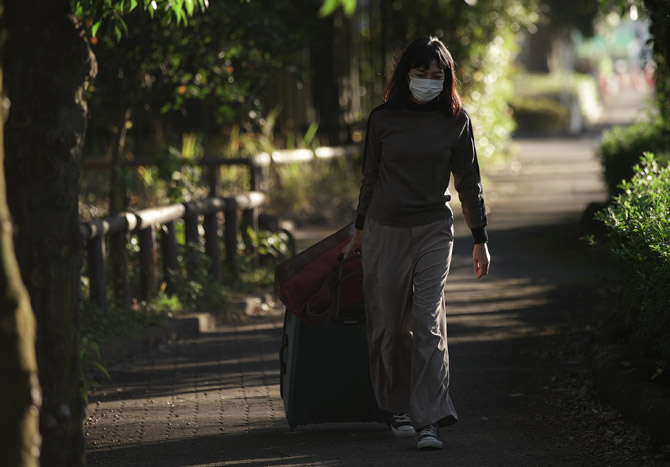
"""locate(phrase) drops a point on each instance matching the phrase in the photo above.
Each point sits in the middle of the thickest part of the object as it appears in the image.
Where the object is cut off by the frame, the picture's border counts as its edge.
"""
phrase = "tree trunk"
(47, 62)
(325, 76)
(539, 47)
(118, 202)
(117, 175)
(19, 389)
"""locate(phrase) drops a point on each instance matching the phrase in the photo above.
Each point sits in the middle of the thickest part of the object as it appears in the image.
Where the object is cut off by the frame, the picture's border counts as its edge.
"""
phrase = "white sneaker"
(429, 437)
(401, 426)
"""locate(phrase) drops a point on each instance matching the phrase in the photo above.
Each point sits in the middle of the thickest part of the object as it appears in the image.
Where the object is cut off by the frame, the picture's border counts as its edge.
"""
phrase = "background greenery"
(637, 218)
(546, 102)
(239, 65)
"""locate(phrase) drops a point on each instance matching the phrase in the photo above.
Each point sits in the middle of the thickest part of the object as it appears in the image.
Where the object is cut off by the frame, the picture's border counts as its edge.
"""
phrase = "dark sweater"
(408, 159)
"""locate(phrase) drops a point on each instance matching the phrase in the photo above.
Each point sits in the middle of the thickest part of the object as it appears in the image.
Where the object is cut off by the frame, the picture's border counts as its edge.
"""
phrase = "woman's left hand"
(482, 259)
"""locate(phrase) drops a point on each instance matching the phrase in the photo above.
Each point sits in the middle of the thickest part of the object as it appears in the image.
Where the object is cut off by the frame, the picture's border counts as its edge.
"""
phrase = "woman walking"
(415, 142)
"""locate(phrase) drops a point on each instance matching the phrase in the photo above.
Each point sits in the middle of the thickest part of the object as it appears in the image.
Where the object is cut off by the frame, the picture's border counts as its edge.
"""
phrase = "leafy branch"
(109, 14)
(329, 6)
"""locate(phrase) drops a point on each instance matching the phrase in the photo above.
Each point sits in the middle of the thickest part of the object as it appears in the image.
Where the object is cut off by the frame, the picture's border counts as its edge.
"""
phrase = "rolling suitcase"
(325, 374)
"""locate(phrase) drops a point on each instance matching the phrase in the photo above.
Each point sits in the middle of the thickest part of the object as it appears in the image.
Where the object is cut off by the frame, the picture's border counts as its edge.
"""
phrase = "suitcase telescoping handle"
(336, 299)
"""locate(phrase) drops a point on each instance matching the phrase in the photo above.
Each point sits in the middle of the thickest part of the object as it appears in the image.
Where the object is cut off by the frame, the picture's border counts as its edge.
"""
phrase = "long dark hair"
(420, 54)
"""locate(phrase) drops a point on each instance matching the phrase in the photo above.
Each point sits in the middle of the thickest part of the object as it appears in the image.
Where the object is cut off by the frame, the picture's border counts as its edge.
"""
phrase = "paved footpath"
(214, 400)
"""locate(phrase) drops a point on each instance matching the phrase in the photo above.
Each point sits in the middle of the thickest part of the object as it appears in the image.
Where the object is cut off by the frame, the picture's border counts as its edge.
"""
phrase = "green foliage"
(622, 147)
(266, 243)
(89, 356)
(99, 325)
(219, 69)
(658, 12)
(321, 191)
(329, 6)
(539, 113)
(269, 248)
(162, 306)
(258, 253)
(175, 177)
(109, 15)
(194, 288)
(638, 222)
(482, 37)
(486, 96)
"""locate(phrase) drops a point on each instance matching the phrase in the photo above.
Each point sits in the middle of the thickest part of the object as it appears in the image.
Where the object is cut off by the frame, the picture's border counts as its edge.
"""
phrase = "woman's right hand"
(355, 245)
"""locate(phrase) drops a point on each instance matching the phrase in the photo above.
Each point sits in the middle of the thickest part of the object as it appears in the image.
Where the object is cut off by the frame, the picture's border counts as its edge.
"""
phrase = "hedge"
(544, 102)
(638, 222)
(622, 147)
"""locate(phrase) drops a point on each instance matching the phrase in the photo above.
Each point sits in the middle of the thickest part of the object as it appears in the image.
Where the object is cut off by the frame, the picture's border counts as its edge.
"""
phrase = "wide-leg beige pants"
(405, 270)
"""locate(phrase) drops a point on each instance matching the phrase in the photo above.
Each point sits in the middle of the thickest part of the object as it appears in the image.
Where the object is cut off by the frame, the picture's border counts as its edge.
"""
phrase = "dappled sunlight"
(459, 283)
(495, 295)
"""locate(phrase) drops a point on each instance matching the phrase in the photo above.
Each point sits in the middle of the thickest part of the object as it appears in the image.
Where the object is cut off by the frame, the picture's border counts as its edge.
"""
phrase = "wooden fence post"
(95, 231)
(231, 227)
(192, 246)
(212, 248)
(148, 263)
(170, 260)
(250, 215)
(255, 176)
(97, 271)
(119, 266)
(250, 219)
(213, 178)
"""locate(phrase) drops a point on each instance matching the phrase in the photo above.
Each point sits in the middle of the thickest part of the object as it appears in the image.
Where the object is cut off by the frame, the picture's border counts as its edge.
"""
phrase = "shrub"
(486, 94)
(317, 192)
(638, 222)
(545, 101)
(535, 114)
(622, 147)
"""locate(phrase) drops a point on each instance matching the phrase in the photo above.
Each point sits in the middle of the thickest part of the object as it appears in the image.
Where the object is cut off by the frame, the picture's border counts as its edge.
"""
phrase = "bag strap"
(341, 260)
(336, 278)
(288, 268)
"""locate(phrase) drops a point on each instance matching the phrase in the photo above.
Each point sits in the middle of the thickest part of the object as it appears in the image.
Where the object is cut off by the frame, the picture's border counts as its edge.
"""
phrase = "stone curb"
(182, 326)
(186, 325)
(622, 380)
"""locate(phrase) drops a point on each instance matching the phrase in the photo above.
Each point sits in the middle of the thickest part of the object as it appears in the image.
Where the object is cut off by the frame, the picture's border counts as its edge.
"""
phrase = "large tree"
(47, 62)
(19, 388)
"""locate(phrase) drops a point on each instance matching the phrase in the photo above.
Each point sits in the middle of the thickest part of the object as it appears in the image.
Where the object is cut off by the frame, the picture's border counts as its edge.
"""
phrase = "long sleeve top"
(408, 159)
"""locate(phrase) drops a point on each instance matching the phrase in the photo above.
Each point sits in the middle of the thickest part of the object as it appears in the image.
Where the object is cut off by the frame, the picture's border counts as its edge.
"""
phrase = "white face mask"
(425, 90)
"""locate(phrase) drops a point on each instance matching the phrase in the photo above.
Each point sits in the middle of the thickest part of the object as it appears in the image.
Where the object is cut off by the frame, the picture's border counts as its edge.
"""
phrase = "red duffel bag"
(317, 283)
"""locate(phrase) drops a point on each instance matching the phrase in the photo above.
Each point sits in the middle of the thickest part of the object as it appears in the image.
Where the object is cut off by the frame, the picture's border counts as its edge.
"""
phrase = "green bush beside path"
(638, 221)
